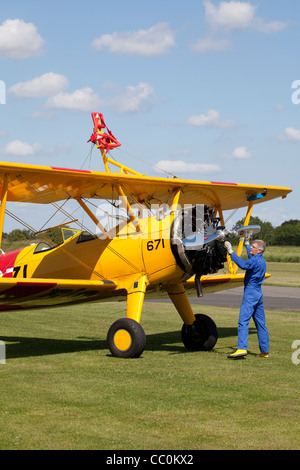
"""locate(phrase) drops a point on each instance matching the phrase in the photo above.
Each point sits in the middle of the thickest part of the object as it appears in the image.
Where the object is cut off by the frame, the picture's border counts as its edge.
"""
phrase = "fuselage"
(122, 255)
(159, 254)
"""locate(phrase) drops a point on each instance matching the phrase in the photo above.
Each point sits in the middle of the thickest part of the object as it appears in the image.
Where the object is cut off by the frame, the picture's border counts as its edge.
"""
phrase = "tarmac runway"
(275, 298)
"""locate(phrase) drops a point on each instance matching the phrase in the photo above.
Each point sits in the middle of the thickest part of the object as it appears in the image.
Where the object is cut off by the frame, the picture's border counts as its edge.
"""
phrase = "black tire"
(126, 338)
(201, 336)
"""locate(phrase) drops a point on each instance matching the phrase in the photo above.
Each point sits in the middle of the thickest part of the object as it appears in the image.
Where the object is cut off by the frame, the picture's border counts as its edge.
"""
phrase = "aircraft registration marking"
(154, 244)
(16, 270)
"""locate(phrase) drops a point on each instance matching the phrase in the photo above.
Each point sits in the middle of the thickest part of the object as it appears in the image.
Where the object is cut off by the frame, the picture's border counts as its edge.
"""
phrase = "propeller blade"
(248, 230)
(198, 240)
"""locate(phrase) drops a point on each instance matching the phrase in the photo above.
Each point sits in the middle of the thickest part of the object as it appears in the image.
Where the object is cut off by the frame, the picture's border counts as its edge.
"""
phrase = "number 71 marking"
(17, 269)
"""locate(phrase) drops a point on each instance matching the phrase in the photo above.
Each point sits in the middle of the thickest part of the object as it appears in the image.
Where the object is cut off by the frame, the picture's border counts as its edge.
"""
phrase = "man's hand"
(228, 247)
(247, 238)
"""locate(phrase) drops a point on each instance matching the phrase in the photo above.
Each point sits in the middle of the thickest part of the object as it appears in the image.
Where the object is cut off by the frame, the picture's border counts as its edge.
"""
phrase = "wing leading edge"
(43, 185)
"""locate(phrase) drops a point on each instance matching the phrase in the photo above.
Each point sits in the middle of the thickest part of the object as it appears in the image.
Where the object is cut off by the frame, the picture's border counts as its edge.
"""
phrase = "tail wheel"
(202, 335)
(126, 338)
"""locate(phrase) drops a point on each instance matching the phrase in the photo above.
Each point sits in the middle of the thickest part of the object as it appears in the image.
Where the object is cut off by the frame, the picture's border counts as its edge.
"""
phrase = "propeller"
(249, 230)
(198, 240)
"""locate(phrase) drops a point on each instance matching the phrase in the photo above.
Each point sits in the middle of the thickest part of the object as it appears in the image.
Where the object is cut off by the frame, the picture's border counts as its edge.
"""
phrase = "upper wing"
(40, 184)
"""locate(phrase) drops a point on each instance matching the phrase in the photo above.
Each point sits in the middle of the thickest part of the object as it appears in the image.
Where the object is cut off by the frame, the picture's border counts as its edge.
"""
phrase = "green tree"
(291, 222)
(17, 235)
(55, 234)
(287, 234)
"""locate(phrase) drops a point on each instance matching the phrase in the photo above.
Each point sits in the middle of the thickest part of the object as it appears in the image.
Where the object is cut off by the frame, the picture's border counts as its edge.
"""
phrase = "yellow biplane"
(171, 242)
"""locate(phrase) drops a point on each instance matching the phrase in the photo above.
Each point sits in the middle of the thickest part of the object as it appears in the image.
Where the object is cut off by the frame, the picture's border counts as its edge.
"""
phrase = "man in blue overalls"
(252, 304)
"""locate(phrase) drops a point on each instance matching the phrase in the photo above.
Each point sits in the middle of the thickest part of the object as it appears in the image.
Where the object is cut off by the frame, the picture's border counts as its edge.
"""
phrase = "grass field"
(61, 389)
(282, 254)
(287, 274)
(279, 254)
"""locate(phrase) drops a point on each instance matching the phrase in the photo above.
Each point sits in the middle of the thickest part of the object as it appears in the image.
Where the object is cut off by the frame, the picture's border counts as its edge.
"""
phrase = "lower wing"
(29, 293)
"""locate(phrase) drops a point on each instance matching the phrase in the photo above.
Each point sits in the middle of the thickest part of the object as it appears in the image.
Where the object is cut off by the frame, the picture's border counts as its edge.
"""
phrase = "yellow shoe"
(263, 355)
(238, 353)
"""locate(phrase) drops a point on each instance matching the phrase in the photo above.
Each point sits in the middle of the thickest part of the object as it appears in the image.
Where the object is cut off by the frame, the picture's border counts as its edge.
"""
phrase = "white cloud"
(268, 27)
(20, 40)
(83, 99)
(46, 85)
(206, 45)
(133, 99)
(232, 16)
(229, 15)
(19, 148)
(155, 41)
(212, 118)
(239, 153)
(179, 166)
(235, 15)
(290, 135)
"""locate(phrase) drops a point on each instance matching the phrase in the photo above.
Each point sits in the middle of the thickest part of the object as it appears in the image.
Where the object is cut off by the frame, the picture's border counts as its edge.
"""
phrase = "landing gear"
(202, 335)
(199, 332)
(126, 338)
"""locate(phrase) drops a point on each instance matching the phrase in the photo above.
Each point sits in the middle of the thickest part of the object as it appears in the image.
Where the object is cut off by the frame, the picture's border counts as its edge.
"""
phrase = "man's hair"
(261, 245)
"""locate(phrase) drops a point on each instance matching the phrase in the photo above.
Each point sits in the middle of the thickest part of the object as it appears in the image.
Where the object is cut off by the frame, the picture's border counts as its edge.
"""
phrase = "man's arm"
(240, 262)
(236, 259)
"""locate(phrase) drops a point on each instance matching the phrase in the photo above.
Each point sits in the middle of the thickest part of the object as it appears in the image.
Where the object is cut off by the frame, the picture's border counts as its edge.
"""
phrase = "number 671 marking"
(154, 244)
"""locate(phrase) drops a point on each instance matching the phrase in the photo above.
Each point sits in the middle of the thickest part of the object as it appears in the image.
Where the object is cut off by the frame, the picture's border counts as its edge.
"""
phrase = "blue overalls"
(252, 304)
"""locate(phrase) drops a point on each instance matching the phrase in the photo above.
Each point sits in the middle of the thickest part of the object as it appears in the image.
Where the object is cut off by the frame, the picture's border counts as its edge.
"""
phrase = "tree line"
(288, 233)
(17, 235)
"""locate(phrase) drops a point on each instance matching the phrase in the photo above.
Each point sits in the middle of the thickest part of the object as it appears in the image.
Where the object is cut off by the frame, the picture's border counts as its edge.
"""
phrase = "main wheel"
(126, 338)
(201, 336)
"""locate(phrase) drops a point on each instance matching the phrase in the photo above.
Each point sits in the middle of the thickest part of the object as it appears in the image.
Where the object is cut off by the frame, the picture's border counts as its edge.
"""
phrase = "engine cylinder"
(195, 241)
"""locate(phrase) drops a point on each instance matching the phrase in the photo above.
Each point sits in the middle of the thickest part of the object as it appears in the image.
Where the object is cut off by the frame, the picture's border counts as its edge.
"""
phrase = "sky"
(206, 90)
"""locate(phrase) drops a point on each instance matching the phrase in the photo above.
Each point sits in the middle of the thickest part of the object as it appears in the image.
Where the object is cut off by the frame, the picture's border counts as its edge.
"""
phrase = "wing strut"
(91, 215)
(242, 239)
(175, 200)
(232, 267)
(3, 205)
